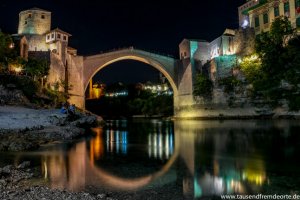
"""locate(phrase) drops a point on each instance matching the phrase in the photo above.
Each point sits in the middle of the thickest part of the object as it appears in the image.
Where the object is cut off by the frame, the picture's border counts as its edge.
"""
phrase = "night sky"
(100, 25)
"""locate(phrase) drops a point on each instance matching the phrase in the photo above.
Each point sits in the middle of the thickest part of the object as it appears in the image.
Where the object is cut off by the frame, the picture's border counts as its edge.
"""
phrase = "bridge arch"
(165, 65)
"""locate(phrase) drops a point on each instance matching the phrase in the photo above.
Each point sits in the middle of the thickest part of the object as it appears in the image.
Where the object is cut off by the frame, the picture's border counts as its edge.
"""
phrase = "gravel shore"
(26, 129)
(15, 184)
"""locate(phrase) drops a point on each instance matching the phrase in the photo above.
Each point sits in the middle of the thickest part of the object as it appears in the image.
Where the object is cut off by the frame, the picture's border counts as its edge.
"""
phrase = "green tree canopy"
(203, 86)
(37, 67)
(275, 72)
(271, 47)
(6, 49)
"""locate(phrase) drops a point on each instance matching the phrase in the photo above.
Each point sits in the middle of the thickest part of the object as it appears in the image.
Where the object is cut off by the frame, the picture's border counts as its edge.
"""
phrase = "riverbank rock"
(32, 138)
(43, 193)
(85, 121)
(56, 133)
(15, 184)
(10, 95)
(26, 129)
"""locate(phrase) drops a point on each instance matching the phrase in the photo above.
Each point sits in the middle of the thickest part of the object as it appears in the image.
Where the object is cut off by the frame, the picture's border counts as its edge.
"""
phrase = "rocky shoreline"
(15, 184)
(24, 129)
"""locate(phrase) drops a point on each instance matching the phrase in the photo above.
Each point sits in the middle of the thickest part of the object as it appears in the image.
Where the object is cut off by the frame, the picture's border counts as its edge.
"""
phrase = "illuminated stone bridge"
(82, 69)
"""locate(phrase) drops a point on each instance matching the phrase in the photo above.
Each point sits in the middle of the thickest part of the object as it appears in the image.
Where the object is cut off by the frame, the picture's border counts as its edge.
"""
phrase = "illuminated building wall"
(203, 51)
(38, 40)
(157, 88)
(34, 21)
(96, 91)
(194, 49)
(262, 15)
(123, 93)
(223, 45)
(35, 25)
(243, 12)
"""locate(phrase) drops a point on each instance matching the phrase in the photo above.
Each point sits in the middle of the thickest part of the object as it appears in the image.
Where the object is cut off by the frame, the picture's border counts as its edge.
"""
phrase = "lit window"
(266, 18)
(256, 21)
(298, 22)
(276, 11)
(287, 9)
(297, 4)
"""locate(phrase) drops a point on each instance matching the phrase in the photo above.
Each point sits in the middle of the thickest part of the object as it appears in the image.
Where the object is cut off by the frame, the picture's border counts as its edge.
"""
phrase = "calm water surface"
(156, 159)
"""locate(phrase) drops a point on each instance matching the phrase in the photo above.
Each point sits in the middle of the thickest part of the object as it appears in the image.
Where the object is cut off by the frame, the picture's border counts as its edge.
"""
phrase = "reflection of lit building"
(229, 180)
(116, 141)
(97, 145)
(160, 145)
(54, 167)
(255, 173)
(66, 171)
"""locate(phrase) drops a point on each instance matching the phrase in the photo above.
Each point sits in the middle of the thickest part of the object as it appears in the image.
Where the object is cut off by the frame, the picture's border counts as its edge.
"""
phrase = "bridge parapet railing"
(117, 50)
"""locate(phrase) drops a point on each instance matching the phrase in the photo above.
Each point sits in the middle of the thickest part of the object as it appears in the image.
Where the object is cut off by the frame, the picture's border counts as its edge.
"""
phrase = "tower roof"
(61, 31)
(36, 9)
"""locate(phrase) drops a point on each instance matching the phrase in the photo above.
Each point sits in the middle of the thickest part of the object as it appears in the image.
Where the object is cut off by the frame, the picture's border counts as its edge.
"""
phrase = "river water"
(192, 159)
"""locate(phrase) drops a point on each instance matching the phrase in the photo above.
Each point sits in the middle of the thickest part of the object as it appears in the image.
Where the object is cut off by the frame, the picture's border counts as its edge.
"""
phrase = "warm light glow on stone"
(17, 68)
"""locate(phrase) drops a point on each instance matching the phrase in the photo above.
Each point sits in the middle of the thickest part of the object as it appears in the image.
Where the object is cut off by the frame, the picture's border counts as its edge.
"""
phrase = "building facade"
(37, 39)
(259, 14)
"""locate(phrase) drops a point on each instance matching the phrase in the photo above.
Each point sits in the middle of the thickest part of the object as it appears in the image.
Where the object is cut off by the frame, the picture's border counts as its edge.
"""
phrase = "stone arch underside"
(165, 65)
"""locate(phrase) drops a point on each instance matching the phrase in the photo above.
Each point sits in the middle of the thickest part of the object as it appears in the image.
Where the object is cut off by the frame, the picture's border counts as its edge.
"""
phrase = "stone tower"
(34, 21)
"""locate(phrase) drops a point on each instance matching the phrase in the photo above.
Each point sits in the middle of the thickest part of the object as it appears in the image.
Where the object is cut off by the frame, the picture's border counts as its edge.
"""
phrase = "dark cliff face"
(12, 96)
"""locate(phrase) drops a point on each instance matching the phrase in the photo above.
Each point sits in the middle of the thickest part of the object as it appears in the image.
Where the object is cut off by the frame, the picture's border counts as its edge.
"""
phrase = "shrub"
(229, 83)
(203, 86)
(23, 83)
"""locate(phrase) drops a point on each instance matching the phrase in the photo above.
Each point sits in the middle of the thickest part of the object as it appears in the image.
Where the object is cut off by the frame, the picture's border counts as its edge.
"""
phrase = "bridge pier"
(79, 101)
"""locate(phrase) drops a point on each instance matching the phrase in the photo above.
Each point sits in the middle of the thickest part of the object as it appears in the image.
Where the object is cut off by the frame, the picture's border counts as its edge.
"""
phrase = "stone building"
(37, 39)
(259, 14)
(221, 54)
(35, 34)
(243, 12)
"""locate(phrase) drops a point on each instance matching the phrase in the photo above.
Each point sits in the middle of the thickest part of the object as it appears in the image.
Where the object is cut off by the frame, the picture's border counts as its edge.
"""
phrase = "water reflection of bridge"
(80, 170)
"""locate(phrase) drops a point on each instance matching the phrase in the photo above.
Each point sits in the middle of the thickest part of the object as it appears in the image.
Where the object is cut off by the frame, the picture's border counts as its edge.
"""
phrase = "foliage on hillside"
(203, 86)
(27, 75)
(275, 68)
